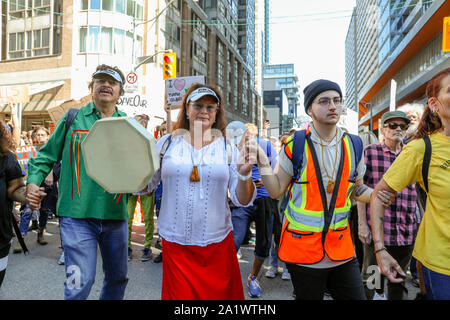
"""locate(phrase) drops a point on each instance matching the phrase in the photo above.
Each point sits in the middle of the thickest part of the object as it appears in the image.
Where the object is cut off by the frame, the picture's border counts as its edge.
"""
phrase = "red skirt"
(201, 273)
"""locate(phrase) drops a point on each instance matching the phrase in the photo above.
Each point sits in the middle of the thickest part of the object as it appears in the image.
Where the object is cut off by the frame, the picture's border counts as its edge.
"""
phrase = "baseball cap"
(394, 114)
(201, 92)
(110, 72)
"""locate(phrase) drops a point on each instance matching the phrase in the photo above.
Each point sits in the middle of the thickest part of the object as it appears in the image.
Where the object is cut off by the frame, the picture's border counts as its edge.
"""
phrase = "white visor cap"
(201, 92)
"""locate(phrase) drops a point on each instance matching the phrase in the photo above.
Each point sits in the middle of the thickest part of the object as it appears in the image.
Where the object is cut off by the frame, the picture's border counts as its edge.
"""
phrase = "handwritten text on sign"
(14, 94)
(177, 88)
(25, 153)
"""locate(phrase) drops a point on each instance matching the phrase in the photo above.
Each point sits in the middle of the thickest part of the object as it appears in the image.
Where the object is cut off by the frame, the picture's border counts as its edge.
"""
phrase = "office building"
(394, 40)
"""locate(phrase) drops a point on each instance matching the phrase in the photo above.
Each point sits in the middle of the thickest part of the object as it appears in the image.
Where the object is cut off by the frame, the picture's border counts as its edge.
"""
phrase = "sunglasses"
(393, 125)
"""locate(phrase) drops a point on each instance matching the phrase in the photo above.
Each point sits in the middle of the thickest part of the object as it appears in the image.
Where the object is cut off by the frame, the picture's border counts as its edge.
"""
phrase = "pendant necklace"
(331, 182)
(195, 177)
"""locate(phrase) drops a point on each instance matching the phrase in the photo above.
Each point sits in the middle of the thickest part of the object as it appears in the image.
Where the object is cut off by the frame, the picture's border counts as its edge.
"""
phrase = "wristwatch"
(244, 178)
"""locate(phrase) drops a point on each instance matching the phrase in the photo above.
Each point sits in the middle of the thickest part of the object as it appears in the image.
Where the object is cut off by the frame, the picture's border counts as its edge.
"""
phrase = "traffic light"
(446, 35)
(169, 65)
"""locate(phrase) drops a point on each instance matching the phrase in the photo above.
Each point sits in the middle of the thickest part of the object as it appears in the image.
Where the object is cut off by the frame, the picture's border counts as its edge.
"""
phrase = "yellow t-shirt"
(432, 246)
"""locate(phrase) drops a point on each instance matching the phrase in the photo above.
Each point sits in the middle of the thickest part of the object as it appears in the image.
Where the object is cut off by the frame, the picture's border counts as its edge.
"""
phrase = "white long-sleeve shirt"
(196, 213)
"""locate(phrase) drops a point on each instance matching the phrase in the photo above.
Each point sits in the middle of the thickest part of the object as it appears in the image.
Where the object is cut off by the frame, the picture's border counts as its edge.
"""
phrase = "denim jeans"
(26, 215)
(274, 256)
(80, 239)
(437, 285)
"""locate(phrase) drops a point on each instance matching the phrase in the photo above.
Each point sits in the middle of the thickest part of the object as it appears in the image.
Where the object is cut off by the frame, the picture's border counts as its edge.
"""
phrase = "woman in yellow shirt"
(432, 247)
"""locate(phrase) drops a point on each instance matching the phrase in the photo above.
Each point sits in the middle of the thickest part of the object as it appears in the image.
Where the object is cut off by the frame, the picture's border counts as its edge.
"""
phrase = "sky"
(311, 34)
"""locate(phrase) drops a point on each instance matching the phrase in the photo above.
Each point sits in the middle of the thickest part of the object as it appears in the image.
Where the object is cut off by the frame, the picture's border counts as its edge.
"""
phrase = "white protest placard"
(133, 104)
(177, 88)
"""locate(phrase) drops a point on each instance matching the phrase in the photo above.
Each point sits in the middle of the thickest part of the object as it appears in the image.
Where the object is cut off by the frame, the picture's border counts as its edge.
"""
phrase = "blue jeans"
(80, 239)
(26, 215)
(274, 255)
(437, 285)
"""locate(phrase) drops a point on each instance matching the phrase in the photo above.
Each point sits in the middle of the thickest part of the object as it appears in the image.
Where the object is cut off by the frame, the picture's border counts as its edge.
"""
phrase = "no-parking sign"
(132, 78)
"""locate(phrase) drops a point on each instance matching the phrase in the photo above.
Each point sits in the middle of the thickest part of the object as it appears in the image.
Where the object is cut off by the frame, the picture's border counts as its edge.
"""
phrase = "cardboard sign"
(176, 88)
(14, 94)
(57, 112)
(25, 153)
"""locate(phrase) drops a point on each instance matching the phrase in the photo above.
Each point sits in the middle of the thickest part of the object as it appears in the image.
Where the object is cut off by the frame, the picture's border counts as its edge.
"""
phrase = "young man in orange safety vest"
(321, 168)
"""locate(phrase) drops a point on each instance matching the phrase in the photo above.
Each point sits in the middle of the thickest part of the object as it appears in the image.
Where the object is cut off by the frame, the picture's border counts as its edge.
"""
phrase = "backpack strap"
(71, 115)
(358, 148)
(426, 161)
(297, 153)
(298, 148)
(164, 148)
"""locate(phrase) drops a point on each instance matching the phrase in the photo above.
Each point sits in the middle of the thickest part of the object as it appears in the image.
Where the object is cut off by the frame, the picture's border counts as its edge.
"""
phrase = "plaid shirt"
(400, 221)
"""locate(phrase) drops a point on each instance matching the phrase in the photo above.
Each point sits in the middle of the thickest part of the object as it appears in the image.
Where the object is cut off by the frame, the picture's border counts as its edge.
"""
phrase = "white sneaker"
(272, 272)
(379, 297)
(239, 254)
(286, 275)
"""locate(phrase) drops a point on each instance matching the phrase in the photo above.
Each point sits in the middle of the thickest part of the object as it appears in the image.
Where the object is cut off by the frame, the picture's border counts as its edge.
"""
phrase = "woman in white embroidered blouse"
(195, 220)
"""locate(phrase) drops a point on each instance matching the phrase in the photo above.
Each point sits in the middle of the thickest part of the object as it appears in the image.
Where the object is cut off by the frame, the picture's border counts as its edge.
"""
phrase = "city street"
(37, 276)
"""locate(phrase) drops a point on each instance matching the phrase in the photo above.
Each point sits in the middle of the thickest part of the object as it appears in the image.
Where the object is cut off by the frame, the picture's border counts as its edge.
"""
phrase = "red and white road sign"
(132, 78)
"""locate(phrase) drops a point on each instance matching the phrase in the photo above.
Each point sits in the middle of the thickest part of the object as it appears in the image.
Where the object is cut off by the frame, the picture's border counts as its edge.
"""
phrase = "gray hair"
(417, 107)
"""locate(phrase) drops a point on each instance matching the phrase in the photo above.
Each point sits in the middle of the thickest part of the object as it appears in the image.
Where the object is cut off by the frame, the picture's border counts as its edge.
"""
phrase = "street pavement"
(37, 276)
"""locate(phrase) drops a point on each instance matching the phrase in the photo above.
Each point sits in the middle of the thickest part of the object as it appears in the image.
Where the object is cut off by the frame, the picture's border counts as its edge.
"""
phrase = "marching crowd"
(331, 208)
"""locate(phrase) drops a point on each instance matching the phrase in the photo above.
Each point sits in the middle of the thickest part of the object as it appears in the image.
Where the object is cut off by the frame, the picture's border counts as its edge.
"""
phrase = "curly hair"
(7, 143)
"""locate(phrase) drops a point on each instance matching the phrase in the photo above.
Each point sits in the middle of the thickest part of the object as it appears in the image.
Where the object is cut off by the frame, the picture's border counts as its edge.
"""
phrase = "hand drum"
(120, 155)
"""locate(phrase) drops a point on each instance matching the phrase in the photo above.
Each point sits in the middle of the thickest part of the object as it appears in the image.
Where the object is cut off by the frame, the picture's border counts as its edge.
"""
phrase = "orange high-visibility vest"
(312, 228)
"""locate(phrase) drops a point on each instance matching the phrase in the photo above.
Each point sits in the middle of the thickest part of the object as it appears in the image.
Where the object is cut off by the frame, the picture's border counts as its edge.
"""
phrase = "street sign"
(132, 78)
(176, 88)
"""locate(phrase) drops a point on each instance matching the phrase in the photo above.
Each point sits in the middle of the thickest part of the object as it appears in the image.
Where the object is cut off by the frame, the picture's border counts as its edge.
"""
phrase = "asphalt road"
(37, 276)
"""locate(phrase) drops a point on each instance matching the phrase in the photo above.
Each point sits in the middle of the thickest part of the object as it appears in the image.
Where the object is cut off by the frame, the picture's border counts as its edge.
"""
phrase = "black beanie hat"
(317, 87)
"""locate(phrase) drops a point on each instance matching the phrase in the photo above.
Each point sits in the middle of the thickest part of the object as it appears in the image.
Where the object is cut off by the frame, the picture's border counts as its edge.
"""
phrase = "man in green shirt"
(90, 217)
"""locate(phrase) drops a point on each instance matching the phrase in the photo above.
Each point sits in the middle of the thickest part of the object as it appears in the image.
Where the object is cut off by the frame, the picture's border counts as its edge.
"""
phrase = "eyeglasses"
(209, 108)
(326, 102)
(393, 125)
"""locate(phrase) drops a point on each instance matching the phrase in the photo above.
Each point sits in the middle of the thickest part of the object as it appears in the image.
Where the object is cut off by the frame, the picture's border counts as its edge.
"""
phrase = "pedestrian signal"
(169, 65)
(446, 35)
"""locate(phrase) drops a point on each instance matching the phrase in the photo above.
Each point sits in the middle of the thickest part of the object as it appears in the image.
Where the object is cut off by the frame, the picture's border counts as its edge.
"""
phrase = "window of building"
(210, 4)
(95, 5)
(16, 9)
(106, 40)
(83, 39)
(119, 42)
(94, 37)
(107, 5)
(130, 7)
(85, 4)
(41, 43)
(16, 45)
(41, 7)
(120, 6)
